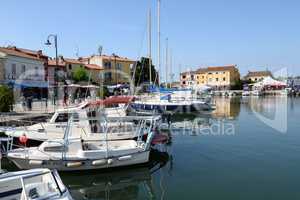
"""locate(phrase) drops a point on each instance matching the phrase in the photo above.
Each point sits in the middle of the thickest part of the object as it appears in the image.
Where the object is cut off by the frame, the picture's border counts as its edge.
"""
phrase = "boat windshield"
(40, 187)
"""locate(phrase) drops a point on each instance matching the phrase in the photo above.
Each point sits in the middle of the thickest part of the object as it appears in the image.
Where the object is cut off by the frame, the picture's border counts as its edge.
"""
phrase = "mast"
(149, 46)
(158, 46)
(167, 57)
(171, 72)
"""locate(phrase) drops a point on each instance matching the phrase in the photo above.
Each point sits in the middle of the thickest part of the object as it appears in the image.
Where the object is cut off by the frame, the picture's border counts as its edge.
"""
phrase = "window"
(23, 70)
(217, 79)
(119, 66)
(224, 79)
(62, 117)
(210, 79)
(183, 82)
(13, 71)
(198, 82)
(36, 70)
(209, 73)
(192, 77)
(217, 72)
(70, 67)
(203, 77)
(107, 65)
(197, 77)
(107, 75)
(183, 76)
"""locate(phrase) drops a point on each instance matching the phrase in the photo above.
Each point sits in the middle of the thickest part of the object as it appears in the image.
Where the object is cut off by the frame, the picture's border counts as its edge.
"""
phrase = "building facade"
(256, 76)
(115, 69)
(24, 70)
(188, 79)
(218, 77)
(66, 66)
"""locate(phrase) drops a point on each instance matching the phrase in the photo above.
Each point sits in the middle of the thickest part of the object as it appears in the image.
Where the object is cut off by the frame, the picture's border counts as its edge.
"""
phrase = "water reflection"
(131, 183)
(228, 108)
(267, 106)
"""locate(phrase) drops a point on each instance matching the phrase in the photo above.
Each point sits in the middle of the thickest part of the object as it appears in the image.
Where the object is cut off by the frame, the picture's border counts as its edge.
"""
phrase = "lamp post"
(54, 37)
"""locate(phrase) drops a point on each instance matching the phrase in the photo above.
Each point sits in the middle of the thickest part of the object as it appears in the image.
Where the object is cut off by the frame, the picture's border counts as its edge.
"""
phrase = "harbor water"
(248, 148)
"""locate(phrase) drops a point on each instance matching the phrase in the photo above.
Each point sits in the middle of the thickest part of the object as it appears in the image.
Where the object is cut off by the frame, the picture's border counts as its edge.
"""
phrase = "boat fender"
(23, 139)
(35, 162)
(125, 158)
(110, 161)
(74, 164)
(99, 162)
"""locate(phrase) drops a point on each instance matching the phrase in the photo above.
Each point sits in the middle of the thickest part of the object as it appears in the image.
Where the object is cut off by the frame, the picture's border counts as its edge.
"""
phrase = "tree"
(79, 74)
(238, 85)
(6, 98)
(103, 92)
(142, 75)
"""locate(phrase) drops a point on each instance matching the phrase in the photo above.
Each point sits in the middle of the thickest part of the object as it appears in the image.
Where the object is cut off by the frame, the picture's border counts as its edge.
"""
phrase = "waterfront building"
(66, 66)
(218, 77)
(187, 79)
(117, 70)
(25, 70)
(256, 76)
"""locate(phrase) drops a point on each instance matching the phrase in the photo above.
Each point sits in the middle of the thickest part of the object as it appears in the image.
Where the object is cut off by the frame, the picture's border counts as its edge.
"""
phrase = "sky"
(254, 35)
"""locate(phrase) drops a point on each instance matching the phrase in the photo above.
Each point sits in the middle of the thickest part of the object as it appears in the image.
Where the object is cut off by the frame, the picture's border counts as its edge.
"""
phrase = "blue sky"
(255, 34)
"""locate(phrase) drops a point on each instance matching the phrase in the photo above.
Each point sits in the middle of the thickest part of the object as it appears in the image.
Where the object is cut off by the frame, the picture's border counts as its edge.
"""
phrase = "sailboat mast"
(167, 57)
(149, 46)
(171, 72)
(158, 46)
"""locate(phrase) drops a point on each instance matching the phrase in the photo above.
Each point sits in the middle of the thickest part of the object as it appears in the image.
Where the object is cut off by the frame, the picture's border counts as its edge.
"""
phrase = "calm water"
(229, 154)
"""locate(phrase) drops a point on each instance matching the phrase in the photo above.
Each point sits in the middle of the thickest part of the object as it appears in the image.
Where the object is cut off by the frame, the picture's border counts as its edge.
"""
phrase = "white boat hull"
(86, 164)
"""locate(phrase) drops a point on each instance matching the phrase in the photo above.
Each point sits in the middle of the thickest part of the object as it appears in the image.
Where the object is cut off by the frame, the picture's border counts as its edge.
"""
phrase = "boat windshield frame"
(59, 192)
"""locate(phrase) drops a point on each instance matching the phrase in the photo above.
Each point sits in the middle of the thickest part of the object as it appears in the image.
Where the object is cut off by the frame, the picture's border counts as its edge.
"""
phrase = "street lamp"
(54, 37)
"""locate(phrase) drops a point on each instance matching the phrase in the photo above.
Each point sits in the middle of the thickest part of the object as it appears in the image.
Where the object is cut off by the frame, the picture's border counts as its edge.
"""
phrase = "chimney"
(39, 53)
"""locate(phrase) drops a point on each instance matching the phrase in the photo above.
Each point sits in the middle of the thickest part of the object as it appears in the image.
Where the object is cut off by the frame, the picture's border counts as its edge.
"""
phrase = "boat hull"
(175, 108)
(86, 164)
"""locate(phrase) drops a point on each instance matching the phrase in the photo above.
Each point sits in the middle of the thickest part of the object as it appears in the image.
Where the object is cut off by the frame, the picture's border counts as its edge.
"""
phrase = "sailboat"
(167, 100)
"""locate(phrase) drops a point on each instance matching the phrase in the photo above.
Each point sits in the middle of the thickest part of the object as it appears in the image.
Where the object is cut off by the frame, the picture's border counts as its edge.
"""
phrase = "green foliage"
(103, 92)
(142, 74)
(79, 74)
(6, 98)
(238, 85)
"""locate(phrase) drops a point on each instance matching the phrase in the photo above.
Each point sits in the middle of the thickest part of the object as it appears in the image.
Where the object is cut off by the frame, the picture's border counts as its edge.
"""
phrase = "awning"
(28, 83)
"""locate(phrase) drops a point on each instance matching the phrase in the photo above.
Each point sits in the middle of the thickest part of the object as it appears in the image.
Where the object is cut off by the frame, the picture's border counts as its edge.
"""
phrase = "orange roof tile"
(52, 63)
(221, 68)
(18, 52)
(93, 67)
(258, 73)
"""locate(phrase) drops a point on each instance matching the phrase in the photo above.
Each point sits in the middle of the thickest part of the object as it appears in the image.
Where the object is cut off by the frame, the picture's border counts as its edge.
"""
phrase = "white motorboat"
(73, 153)
(86, 125)
(33, 184)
